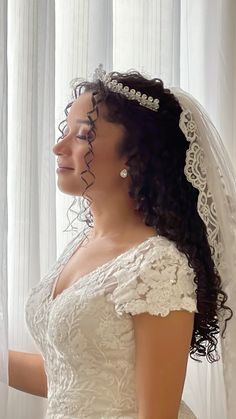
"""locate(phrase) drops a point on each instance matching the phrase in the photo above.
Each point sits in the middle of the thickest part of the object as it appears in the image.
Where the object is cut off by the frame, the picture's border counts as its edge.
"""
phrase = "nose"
(62, 146)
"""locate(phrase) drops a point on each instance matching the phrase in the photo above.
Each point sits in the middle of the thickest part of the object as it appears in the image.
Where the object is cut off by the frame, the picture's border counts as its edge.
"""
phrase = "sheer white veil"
(211, 388)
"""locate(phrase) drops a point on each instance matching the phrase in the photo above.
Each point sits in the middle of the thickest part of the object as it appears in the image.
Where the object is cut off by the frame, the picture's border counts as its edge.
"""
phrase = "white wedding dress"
(86, 335)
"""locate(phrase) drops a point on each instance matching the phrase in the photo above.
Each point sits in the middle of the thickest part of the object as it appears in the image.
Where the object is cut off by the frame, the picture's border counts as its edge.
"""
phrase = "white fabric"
(208, 61)
(209, 169)
(86, 333)
(3, 214)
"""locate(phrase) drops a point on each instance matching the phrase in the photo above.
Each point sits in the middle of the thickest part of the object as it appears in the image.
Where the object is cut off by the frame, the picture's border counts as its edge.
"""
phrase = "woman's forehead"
(80, 108)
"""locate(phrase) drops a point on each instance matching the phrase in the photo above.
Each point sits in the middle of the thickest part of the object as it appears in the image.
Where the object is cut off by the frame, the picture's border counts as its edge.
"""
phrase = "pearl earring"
(124, 173)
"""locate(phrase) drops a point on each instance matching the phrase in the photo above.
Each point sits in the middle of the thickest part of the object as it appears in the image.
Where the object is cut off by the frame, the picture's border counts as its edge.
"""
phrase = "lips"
(66, 167)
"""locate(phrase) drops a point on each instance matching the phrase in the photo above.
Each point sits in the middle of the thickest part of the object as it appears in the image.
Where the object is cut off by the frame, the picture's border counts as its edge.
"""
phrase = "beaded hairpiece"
(131, 94)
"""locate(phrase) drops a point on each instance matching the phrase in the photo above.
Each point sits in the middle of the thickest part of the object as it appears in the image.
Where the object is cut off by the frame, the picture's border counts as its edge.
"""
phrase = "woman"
(117, 315)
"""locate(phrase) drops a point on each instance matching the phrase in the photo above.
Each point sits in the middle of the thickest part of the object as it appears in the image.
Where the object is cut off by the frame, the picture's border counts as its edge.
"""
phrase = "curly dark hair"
(156, 147)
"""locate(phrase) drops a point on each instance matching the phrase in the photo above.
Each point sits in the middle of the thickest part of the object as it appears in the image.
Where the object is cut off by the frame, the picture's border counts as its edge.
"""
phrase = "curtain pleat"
(146, 37)
(3, 210)
(208, 61)
(31, 183)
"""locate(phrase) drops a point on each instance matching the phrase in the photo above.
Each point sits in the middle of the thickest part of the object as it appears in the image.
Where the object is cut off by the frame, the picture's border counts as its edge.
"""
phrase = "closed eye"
(84, 137)
(87, 135)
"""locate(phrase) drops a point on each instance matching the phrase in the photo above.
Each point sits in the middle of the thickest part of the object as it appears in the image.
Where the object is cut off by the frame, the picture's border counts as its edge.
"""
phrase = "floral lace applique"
(164, 282)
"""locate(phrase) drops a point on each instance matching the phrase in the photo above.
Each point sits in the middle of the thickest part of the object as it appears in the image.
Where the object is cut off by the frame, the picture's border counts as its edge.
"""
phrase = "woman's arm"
(27, 373)
(162, 347)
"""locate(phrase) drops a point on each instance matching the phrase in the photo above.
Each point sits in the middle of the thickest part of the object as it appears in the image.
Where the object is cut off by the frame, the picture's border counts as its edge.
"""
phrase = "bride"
(138, 293)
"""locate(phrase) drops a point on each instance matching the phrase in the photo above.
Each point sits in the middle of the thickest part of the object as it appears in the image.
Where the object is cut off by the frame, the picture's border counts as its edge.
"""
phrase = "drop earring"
(124, 173)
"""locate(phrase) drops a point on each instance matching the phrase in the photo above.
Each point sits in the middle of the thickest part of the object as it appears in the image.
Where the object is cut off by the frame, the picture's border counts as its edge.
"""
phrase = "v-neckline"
(80, 280)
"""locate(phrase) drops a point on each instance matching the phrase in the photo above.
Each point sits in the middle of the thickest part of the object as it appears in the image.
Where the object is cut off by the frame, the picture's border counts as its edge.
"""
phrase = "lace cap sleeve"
(163, 281)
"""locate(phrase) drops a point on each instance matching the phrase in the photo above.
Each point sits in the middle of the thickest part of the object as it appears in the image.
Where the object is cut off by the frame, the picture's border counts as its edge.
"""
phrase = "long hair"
(155, 148)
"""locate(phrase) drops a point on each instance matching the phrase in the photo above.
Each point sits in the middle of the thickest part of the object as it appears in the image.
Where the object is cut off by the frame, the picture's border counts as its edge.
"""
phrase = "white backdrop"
(45, 44)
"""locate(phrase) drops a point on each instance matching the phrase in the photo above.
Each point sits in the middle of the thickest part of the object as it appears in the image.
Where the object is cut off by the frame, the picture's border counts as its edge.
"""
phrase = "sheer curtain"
(46, 44)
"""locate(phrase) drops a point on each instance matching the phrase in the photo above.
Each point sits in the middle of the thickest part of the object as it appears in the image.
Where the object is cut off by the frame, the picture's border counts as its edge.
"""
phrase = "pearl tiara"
(131, 94)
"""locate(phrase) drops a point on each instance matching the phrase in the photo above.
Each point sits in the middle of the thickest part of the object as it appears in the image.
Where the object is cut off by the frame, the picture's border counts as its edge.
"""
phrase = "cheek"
(106, 161)
(103, 161)
(106, 150)
(103, 154)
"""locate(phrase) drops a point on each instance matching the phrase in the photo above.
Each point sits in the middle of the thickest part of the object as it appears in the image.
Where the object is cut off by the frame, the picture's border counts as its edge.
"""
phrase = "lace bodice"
(86, 336)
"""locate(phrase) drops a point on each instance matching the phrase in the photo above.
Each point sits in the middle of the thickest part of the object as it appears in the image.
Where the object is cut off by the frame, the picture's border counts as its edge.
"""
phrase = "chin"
(68, 191)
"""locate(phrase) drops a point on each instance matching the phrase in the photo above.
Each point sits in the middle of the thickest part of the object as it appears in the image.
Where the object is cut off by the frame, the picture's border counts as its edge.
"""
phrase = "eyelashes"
(88, 135)
(82, 137)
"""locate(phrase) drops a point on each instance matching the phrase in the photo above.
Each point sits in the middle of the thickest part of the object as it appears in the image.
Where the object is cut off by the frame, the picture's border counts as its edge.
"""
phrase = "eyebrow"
(84, 121)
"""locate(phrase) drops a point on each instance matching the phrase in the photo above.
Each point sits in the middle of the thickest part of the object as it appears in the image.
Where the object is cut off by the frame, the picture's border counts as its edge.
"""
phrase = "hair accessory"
(131, 94)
